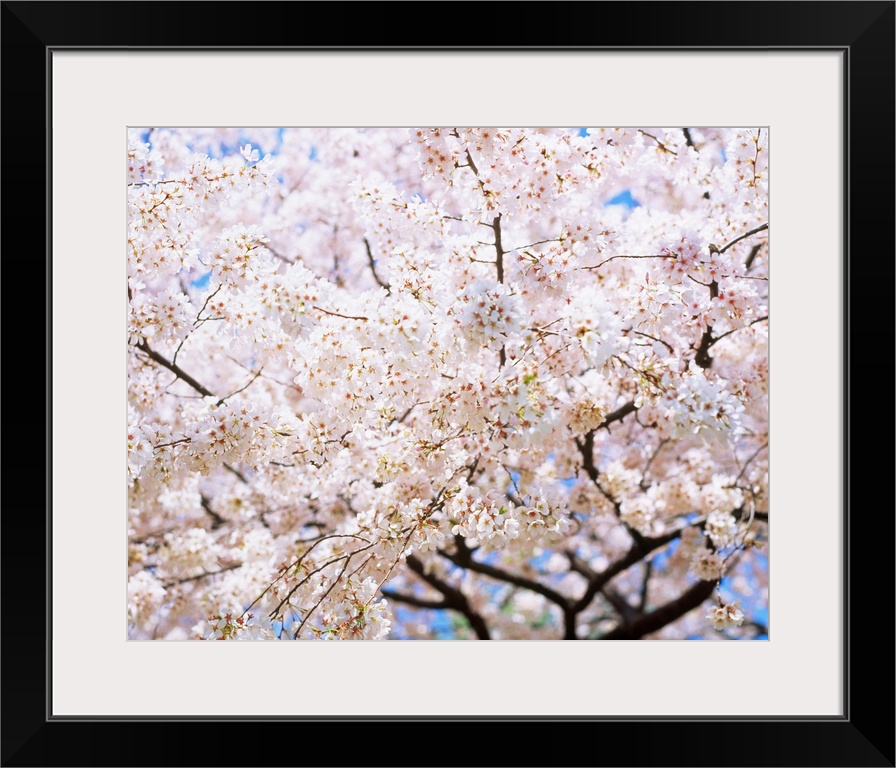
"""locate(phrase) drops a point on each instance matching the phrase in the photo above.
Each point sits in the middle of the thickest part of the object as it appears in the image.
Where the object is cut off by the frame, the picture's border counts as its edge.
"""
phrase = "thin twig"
(337, 314)
(734, 330)
(633, 256)
(144, 347)
(169, 584)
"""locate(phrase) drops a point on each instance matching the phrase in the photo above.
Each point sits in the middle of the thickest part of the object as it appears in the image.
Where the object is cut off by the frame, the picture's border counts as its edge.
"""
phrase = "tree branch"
(372, 262)
(417, 602)
(337, 314)
(144, 347)
(454, 598)
(499, 264)
(634, 555)
(645, 584)
(754, 252)
(665, 614)
(619, 414)
(632, 256)
(702, 356)
(627, 613)
(169, 584)
(744, 236)
(464, 559)
(728, 333)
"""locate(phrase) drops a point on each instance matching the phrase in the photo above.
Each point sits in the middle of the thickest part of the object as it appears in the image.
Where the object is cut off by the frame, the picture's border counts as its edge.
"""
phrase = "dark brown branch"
(754, 252)
(417, 602)
(471, 163)
(688, 140)
(702, 356)
(619, 414)
(565, 605)
(202, 309)
(236, 472)
(632, 256)
(634, 555)
(645, 585)
(499, 265)
(454, 598)
(337, 314)
(733, 330)
(666, 344)
(665, 614)
(279, 255)
(173, 442)
(169, 584)
(464, 559)
(217, 520)
(651, 460)
(626, 612)
(499, 249)
(241, 389)
(744, 236)
(372, 262)
(144, 347)
(659, 143)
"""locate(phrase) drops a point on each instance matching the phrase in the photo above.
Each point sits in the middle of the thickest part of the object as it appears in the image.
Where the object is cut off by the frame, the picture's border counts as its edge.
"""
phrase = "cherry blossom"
(493, 383)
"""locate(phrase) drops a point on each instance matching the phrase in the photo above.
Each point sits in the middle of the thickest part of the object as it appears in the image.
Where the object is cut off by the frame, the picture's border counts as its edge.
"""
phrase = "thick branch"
(665, 614)
(417, 602)
(638, 551)
(619, 414)
(627, 613)
(499, 249)
(464, 559)
(454, 598)
(702, 356)
(645, 585)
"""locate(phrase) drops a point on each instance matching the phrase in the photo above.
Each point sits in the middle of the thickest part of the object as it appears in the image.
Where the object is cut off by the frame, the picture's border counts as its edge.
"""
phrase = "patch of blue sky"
(220, 150)
(582, 132)
(661, 559)
(568, 482)
(624, 198)
(439, 623)
(202, 281)
(540, 561)
(753, 605)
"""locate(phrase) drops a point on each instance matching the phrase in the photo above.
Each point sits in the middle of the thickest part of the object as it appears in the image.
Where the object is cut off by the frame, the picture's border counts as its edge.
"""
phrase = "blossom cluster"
(518, 376)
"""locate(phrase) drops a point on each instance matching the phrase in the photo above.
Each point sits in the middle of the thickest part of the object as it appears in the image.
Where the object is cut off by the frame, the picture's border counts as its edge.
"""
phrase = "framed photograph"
(815, 78)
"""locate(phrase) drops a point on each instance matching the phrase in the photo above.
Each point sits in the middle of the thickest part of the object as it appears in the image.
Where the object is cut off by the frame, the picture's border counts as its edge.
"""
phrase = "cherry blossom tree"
(447, 382)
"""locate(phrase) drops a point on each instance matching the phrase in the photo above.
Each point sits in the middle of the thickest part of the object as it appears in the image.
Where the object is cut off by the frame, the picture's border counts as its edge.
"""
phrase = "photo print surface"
(448, 383)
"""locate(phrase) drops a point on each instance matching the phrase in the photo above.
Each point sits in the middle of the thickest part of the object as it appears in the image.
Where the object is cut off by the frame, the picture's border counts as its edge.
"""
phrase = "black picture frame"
(863, 735)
